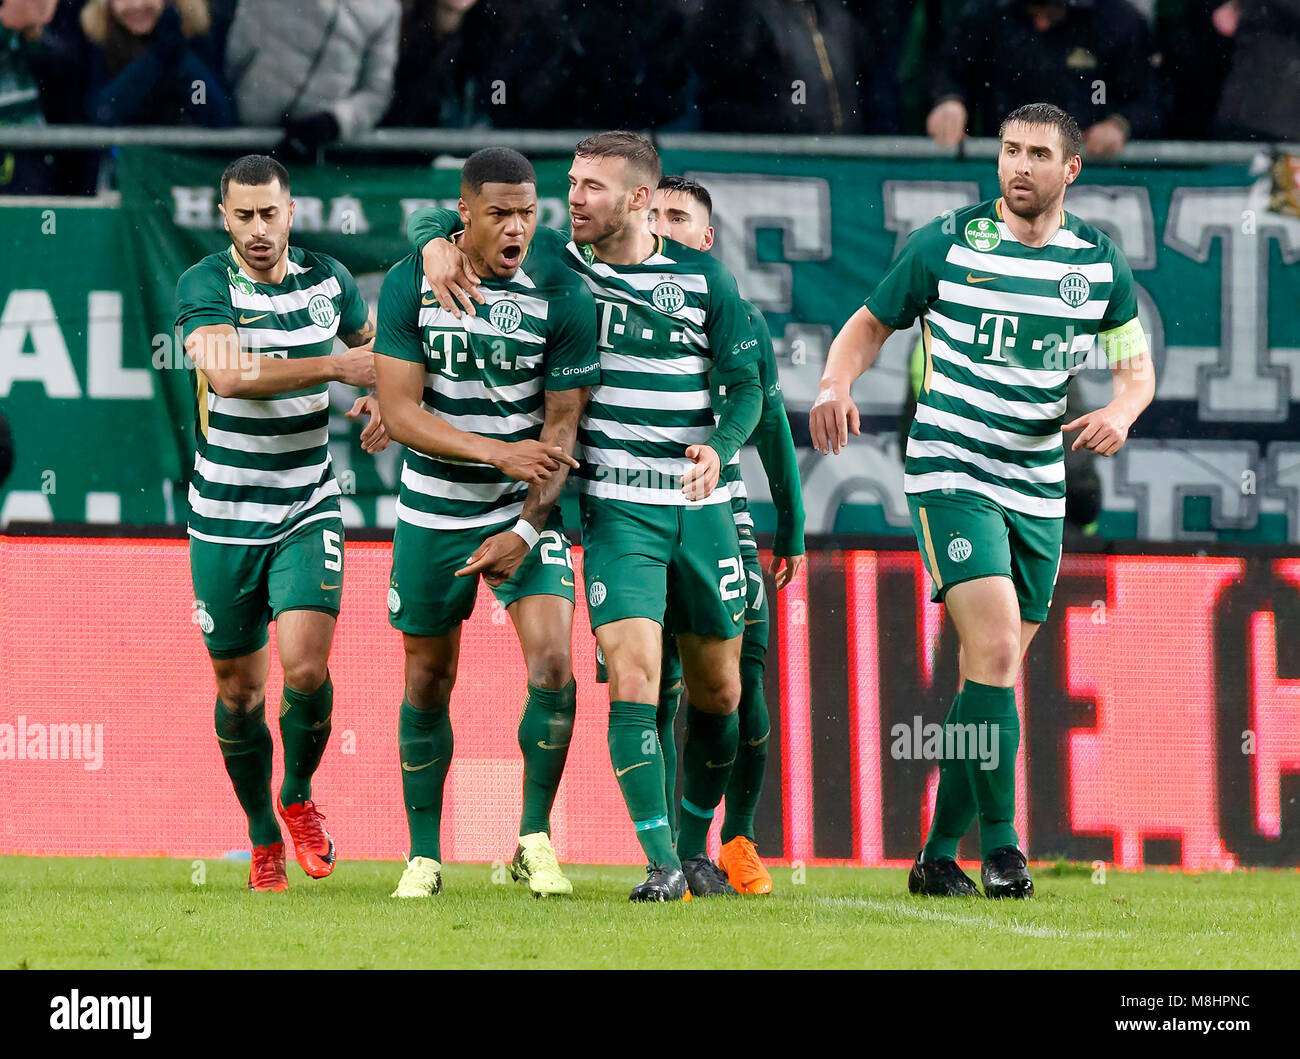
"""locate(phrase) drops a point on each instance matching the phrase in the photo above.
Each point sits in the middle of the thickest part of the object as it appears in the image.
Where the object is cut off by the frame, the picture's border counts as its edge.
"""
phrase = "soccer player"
(659, 540)
(682, 210)
(488, 407)
(1013, 294)
(259, 320)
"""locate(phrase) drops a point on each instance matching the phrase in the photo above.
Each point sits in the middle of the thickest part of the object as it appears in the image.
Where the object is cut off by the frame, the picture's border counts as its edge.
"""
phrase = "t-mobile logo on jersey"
(998, 336)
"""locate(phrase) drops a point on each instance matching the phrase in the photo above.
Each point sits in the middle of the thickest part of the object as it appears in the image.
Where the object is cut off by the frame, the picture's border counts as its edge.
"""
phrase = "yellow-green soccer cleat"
(422, 878)
(535, 864)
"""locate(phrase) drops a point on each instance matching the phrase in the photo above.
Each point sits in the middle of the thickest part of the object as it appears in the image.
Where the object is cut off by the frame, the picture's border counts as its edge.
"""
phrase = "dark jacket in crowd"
(588, 64)
(994, 60)
(445, 80)
(1261, 96)
(797, 66)
(170, 77)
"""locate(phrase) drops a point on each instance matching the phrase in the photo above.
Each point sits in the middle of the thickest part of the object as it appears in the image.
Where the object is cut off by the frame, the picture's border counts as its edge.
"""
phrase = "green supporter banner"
(101, 401)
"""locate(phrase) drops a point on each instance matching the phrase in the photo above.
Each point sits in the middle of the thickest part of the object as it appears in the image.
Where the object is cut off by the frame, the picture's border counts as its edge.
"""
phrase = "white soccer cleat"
(535, 863)
(422, 878)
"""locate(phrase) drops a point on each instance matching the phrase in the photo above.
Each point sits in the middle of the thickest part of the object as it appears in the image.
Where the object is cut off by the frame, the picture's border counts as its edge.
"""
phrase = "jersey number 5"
(333, 554)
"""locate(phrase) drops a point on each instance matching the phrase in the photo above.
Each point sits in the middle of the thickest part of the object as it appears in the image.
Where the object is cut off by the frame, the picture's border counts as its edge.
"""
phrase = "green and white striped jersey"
(665, 326)
(486, 374)
(1005, 326)
(262, 465)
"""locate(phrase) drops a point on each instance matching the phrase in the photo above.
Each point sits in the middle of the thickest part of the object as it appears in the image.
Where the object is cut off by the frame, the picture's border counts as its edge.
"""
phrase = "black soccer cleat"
(661, 884)
(1005, 874)
(706, 879)
(939, 878)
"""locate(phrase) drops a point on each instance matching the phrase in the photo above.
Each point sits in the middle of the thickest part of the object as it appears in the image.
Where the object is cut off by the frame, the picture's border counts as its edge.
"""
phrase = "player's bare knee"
(549, 668)
(997, 657)
(429, 687)
(719, 695)
(306, 676)
(239, 694)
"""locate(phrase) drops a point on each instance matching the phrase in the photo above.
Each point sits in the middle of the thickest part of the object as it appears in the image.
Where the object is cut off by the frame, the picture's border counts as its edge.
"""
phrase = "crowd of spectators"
(322, 70)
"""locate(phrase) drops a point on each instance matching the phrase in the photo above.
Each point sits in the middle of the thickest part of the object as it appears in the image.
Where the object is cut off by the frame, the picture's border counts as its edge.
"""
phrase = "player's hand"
(497, 558)
(783, 569)
(1103, 431)
(531, 461)
(699, 482)
(356, 366)
(1105, 139)
(451, 276)
(833, 415)
(375, 437)
(946, 123)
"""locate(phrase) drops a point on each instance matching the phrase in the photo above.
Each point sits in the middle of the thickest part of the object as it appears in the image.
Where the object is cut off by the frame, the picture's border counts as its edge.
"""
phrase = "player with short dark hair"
(1013, 295)
(259, 320)
(658, 535)
(682, 209)
(488, 407)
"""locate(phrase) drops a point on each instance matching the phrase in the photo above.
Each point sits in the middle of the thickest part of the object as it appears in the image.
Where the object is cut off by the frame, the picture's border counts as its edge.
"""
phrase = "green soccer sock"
(245, 743)
(545, 728)
(993, 713)
(746, 783)
(708, 757)
(304, 731)
(639, 769)
(665, 717)
(425, 743)
(954, 802)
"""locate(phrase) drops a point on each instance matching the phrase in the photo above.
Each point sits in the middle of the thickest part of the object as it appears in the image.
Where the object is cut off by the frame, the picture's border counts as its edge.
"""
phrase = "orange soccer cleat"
(266, 873)
(739, 859)
(312, 845)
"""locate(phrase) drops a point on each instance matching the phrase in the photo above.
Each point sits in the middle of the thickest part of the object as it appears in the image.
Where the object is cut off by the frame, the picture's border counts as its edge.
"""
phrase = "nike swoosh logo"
(738, 615)
(328, 588)
(756, 621)
(619, 772)
(250, 319)
(220, 740)
(760, 742)
(563, 581)
(711, 765)
(547, 746)
(416, 768)
(428, 299)
(322, 724)
(972, 278)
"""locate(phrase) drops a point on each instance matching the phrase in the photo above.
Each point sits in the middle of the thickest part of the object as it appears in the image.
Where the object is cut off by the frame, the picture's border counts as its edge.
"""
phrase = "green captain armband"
(1124, 344)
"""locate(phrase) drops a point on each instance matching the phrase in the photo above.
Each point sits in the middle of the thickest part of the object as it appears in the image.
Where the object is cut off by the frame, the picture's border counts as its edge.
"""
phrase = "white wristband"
(525, 530)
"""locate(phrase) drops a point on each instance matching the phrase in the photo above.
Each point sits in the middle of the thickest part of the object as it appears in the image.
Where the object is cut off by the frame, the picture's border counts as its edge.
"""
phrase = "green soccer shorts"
(238, 588)
(679, 566)
(963, 535)
(426, 598)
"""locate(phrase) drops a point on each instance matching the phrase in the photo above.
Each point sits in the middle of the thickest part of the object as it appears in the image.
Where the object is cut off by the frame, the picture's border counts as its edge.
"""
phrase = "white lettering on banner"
(1246, 380)
(194, 207)
(28, 318)
(106, 377)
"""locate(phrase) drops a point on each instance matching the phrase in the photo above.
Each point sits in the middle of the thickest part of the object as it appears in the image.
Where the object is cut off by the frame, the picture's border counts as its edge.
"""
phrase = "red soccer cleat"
(266, 873)
(312, 845)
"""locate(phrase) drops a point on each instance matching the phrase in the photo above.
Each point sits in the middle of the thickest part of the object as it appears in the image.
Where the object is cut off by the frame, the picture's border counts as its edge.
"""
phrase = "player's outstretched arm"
(400, 385)
(232, 371)
(1104, 431)
(854, 350)
(498, 557)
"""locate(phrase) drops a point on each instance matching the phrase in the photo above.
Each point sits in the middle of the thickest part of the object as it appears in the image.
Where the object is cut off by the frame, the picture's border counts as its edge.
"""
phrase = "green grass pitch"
(139, 913)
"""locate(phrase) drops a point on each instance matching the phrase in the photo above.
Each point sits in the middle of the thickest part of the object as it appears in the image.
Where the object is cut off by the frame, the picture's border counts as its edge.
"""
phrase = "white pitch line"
(934, 916)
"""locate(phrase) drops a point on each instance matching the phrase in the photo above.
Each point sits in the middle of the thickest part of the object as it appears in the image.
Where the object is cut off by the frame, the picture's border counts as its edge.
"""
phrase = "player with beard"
(259, 321)
(660, 545)
(1013, 295)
